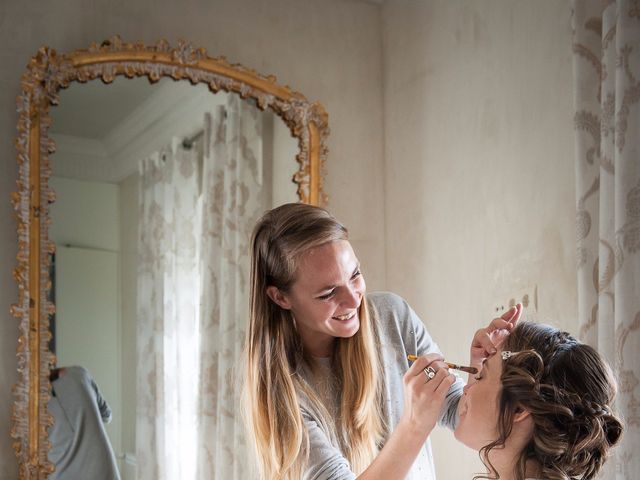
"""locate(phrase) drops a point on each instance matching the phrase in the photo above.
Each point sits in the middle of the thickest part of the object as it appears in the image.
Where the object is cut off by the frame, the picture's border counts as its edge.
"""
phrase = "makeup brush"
(462, 368)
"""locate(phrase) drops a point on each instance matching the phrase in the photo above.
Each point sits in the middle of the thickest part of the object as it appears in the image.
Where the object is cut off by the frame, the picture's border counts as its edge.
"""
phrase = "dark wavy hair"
(568, 388)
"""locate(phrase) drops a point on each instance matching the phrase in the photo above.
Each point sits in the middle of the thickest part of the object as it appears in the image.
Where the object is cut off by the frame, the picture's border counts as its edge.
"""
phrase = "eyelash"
(327, 296)
(477, 377)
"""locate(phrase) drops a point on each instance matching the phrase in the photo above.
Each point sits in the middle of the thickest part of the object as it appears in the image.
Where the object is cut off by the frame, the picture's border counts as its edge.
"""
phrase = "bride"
(540, 408)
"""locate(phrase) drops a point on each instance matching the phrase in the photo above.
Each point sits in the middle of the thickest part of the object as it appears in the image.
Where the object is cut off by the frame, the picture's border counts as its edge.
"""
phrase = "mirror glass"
(135, 161)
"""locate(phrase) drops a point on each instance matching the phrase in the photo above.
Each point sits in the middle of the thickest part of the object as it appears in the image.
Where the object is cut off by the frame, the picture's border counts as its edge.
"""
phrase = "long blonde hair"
(274, 385)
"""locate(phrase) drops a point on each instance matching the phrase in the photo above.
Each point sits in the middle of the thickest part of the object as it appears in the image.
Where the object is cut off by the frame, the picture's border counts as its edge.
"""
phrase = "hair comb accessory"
(507, 354)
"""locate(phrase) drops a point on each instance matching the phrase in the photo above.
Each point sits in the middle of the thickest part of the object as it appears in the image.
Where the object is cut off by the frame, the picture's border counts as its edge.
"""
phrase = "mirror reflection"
(157, 189)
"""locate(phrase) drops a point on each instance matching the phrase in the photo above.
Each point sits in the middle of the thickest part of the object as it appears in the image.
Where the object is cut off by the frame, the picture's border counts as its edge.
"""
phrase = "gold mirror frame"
(46, 74)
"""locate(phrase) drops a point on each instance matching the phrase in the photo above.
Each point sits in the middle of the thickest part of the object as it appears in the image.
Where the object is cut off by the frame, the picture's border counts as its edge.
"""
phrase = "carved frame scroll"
(46, 74)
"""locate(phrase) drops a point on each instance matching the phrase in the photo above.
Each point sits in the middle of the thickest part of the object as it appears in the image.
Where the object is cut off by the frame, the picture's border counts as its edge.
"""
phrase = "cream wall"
(327, 49)
(479, 194)
(86, 214)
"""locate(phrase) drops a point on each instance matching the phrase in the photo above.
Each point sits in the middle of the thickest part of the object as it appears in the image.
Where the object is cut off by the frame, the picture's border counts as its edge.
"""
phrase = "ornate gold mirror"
(126, 123)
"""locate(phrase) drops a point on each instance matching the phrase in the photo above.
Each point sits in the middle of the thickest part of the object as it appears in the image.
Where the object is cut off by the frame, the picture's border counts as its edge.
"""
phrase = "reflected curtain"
(197, 212)
(607, 122)
(233, 179)
(168, 315)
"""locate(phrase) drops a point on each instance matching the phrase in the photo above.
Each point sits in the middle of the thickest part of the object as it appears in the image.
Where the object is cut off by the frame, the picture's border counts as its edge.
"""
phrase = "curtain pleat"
(196, 215)
(607, 122)
(232, 178)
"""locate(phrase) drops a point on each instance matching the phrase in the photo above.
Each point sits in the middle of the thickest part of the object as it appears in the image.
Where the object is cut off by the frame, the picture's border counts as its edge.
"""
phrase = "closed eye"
(328, 295)
(357, 273)
(479, 375)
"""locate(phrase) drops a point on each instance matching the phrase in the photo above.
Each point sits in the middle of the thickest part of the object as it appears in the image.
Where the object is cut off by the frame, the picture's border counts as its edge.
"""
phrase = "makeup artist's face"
(325, 296)
(478, 407)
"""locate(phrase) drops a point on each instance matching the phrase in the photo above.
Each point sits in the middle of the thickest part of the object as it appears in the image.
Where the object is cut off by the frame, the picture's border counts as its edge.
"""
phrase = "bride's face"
(478, 407)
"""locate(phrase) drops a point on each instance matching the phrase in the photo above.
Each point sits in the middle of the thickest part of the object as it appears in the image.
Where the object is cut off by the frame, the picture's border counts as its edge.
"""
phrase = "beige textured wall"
(478, 168)
(327, 49)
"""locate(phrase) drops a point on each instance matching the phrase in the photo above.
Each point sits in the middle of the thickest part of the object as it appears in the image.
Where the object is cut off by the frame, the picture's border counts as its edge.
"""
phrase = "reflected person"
(541, 408)
(80, 447)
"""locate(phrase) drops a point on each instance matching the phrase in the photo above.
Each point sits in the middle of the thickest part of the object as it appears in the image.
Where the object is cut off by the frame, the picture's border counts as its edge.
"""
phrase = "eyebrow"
(331, 287)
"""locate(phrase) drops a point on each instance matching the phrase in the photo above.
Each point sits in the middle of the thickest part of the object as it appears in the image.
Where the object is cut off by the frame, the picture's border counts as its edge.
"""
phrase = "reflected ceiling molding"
(136, 138)
(115, 155)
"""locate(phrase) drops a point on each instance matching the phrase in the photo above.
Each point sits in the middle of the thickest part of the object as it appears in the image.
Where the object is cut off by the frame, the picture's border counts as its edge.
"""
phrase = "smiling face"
(478, 407)
(325, 296)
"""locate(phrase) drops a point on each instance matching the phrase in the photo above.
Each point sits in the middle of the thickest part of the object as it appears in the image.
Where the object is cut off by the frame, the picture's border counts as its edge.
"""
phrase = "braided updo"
(568, 388)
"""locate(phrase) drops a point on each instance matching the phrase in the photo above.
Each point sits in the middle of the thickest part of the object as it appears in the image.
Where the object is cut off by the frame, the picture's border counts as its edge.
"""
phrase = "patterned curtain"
(197, 211)
(607, 123)
(168, 315)
(235, 198)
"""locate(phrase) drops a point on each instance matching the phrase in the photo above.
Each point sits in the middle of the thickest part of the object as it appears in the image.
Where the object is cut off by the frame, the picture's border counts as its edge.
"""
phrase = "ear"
(521, 414)
(278, 297)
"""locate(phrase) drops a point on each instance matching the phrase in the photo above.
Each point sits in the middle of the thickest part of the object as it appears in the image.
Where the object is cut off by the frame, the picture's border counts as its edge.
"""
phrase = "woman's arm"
(423, 401)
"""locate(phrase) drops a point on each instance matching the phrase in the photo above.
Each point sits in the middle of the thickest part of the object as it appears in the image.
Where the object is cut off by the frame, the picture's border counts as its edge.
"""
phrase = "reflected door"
(87, 332)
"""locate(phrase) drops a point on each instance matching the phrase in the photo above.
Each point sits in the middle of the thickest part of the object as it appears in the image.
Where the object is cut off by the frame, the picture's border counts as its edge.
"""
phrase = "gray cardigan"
(80, 447)
(401, 333)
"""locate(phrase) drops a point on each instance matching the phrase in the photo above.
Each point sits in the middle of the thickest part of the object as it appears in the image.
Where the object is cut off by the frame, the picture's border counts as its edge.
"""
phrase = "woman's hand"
(488, 340)
(424, 396)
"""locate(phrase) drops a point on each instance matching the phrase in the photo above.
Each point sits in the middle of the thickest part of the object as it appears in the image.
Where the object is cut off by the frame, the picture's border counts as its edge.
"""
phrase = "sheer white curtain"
(168, 314)
(197, 213)
(233, 179)
(607, 119)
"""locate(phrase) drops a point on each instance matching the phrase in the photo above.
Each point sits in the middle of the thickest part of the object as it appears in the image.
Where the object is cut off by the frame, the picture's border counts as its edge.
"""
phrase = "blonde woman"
(329, 392)
(541, 408)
